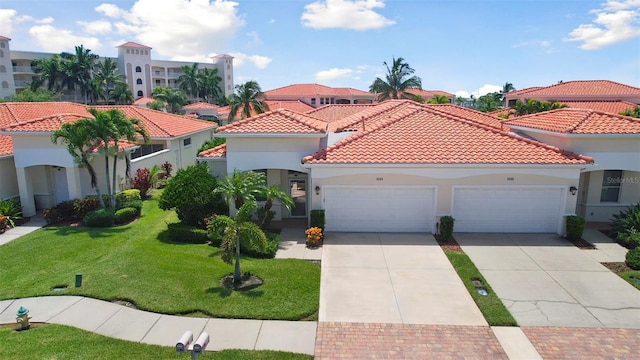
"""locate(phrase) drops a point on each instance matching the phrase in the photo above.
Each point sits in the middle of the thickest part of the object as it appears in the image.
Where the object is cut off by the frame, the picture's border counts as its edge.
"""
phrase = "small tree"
(241, 187)
(238, 230)
(191, 193)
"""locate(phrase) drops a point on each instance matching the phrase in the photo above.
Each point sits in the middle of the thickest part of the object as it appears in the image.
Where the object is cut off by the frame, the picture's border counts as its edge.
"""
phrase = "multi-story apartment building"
(141, 72)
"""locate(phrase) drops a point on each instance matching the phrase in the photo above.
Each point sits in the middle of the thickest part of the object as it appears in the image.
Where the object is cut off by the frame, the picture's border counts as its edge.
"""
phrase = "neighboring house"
(614, 107)
(428, 94)
(400, 166)
(317, 95)
(613, 141)
(294, 105)
(202, 110)
(44, 174)
(579, 91)
(134, 61)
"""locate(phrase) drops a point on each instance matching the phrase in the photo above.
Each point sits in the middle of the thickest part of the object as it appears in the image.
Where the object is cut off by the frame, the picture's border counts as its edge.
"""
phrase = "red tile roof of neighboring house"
(200, 105)
(578, 121)
(143, 101)
(315, 90)
(133, 44)
(293, 105)
(6, 145)
(424, 136)
(280, 121)
(471, 114)
(614, 107)
(219, 151)
(44, 124)
(4, 38)
(337, 112)
(368, 116)
(13, 112)
(428, 94)
(524, 91)
(579, 88)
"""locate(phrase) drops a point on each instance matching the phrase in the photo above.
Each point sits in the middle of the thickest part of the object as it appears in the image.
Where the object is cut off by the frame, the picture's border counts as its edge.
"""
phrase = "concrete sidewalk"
(124, 323)
(35, 223)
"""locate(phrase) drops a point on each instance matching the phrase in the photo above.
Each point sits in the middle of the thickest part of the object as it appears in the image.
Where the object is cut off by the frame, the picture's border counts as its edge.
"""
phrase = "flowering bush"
(142, 182)
(314, 236)
(4, 223)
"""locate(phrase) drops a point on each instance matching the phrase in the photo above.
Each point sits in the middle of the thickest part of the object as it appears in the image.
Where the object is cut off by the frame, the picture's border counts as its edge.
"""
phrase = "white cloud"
(178, 28)
(483, 90)
(462, 93)
(615, 22)
(56, 40)
(47, 20)
(254, 39)
(258, 61)
(346, 14)
(332, 74)
(96, 27)
(7, 17)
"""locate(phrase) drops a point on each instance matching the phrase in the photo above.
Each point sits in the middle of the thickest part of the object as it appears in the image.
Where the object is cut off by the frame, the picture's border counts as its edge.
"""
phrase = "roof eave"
(270, 135)
(573, 135)
(443, 165)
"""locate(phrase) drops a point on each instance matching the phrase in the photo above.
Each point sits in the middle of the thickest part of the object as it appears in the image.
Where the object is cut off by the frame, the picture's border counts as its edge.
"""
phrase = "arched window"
(1, 53)
(140, 93)
(139, 81)
(5, 84)
(3, 69)
(138, 69)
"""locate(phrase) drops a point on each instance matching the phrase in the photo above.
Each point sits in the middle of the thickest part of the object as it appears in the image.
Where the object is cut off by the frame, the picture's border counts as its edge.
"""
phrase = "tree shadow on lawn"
(224, 292)
(93, 232)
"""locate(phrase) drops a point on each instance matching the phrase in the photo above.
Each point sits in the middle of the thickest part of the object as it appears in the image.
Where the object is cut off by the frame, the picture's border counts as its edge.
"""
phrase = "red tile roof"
(293, 105)
(4, 38)
(280, 121)
(302, 90)
(614, 107)
(219, 151)
(337, 112)
(133, 44)
(200, 105)
(143, 101)
(471, 114)
(44, 124)
(424, 136)
(579, 88)
(578, 121)
(428, 94)
(6, 145)
(369, 116)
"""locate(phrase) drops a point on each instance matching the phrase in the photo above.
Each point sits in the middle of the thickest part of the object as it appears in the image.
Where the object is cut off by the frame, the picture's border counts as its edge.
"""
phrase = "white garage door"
(508, 209)
(379, 208)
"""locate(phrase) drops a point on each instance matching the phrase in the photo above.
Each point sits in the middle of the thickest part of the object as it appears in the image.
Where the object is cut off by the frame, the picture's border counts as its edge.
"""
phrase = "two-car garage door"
(507, 209)
(379, 208)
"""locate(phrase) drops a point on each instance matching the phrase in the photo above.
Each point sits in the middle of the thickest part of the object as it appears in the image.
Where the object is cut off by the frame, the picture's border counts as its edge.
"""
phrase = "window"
(140, 93)
(5, 85)
(146, 149)
(186, 142)
(313, 101)
(611, 182)
(146, 52)
(2, 45)
(138, 69)
(1, 53)
(139, 81)
(128, 51)
(158, 82)
(3, 69)
(137, 52)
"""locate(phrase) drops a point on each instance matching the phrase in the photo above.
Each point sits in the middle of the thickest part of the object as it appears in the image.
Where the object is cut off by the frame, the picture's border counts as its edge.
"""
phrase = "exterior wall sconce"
(573, 190)
(317, 190)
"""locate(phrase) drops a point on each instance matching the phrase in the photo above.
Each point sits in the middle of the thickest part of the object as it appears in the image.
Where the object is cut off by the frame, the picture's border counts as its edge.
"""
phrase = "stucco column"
(73, 182)
(26, 192)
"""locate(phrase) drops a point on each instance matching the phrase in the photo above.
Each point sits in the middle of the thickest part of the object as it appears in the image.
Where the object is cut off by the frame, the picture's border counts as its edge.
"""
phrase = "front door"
(298, 191)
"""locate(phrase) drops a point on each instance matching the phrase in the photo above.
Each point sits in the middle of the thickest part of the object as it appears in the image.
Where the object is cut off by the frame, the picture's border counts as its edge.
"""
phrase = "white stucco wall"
(8, 179)
(589, 204)
(269, 152)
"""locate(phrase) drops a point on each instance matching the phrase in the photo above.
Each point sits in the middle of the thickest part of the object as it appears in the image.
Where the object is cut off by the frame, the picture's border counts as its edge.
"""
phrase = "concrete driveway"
(391, 278)
(546, 281)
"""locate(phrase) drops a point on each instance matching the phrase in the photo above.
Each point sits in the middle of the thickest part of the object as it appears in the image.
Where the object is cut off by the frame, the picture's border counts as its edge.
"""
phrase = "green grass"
(627, 276)
(64, 342)
(138, 263)
(490, 305)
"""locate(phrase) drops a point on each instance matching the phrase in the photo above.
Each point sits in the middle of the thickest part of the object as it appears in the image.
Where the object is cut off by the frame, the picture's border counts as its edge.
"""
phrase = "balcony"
(23, 69)
(174, 74)
(22, 84)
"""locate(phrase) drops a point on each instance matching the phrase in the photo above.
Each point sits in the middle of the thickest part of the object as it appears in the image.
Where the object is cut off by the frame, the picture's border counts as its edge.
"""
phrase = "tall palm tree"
(48, 71)
(399, 79)
(79, 69)
(210, 85)
(460, 100)
(237, 230)
(105, 76)
(532, 106)
(121, 94)
(488, 103)
(80, 143)
(174, 99)
(247, 98)
(439, 99)
(189, 81)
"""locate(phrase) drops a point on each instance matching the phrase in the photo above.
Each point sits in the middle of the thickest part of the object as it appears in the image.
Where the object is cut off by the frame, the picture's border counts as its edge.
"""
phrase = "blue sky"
(459, 46)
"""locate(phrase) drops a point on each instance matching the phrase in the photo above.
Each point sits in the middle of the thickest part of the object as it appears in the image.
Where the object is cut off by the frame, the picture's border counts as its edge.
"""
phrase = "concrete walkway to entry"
(546, 281)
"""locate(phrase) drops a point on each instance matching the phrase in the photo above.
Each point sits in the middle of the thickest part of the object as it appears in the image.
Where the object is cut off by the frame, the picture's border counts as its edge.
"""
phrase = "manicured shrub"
(633, 258)
(629, 238)
(142, 182)
(103, 217)
(52, 215)
(66, 209)
(626, 219)
(316, 219)
(83, 206)
(125, 215)
(269, 252)
(4, 223)
(183, 233)
(136, 204)
(446, 228)
(575, 227)
(190, 193)
(264, 217)
(126, 196)
(12, 210)
(314, 237)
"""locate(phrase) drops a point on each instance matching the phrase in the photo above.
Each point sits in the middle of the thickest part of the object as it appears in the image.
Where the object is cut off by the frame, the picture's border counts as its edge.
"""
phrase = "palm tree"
(80, 144)
(238, 230)
(488, 103)
(635, 112)
(532, 106)
(439, 99)
(460, 100)
(174, 99)
(210, 86)
(247, 98)
(189, 81)
(79, 68)
(241, 187)
(121, 94)
(48, 71)
(105, 77)
(398, 80)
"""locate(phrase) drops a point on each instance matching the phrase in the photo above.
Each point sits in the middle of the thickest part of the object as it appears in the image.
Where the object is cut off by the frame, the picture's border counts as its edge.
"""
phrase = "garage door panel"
(515, 209)
(379, 208)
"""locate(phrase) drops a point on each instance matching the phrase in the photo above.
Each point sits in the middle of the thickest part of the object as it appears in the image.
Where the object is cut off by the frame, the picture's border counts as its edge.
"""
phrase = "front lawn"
(64, 342)
(138, 263)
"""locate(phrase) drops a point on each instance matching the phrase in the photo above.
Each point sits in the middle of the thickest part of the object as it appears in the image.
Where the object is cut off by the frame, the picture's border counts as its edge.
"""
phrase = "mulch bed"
(448, 245)
(583, 244)
(617, 267)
